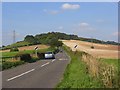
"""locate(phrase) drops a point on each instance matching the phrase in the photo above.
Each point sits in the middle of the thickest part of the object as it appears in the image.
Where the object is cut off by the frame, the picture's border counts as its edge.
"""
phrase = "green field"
(7, 61)
(18, 44)
(113, 62)
(12, 54)
(76, 75)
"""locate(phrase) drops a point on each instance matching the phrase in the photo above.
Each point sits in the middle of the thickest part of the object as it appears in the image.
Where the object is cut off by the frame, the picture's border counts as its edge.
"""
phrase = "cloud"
(64, 7)
(83, 24)
(84, 27)
(68, 6)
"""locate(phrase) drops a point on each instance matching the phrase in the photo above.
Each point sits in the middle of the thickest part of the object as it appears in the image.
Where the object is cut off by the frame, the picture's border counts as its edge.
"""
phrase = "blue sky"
(86, 19)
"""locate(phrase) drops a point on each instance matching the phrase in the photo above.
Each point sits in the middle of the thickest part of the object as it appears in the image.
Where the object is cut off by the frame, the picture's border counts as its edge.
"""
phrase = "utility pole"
(14, 36)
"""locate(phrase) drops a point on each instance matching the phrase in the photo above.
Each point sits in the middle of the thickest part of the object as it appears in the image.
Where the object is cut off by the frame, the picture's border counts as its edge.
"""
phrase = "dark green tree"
(31, 39)
(55, 43)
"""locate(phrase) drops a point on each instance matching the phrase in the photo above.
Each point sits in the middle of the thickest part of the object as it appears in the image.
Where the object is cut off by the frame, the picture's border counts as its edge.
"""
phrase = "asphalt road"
(40, 74)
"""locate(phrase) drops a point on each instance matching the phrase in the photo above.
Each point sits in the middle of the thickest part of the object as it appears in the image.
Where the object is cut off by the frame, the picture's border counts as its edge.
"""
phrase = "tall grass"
(76, 74)
(106, 71)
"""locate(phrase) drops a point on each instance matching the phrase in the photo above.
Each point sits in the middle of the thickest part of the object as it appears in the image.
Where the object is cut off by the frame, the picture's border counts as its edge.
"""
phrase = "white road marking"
(53, 60)
(62, 59)
(20, 75)
(45, 64)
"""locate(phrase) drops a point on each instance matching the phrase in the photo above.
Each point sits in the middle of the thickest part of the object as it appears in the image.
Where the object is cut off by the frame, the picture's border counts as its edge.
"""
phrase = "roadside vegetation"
(13, 59)
(113, 62)
(86, 71)
(16, 57)
(76, 74)
(116, 64)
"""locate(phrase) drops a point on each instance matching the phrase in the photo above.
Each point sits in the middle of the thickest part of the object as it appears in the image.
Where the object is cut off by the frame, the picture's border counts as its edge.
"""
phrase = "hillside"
(48, 38)
(40, 46)
(100, 50)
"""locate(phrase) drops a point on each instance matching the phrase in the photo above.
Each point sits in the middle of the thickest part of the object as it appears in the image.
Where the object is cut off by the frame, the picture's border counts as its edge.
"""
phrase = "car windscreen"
(48, 52)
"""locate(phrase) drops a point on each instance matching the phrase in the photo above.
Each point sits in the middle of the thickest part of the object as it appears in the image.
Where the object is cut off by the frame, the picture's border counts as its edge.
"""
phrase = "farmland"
(40, 46)
(99, 51)
(9, 60)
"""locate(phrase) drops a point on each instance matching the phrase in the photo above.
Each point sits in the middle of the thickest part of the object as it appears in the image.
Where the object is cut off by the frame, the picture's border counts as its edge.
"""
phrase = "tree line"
(52, 38)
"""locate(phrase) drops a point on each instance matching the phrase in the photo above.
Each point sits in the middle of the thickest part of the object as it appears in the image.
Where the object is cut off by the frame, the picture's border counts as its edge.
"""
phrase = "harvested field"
(99, 51)
(28, 48)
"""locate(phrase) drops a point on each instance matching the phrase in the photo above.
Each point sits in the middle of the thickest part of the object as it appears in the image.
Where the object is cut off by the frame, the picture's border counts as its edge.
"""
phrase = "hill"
(100, 50)
(47, 38)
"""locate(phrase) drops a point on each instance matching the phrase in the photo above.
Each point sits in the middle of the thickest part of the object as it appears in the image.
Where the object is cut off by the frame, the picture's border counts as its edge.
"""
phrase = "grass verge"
(76, 74)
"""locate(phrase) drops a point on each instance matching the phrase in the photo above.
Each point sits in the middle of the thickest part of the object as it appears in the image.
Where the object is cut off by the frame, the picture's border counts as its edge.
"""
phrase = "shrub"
(41, 55)
(56, 51)
(7, 65)
(24, 57)
(92, 47)
(14, 49)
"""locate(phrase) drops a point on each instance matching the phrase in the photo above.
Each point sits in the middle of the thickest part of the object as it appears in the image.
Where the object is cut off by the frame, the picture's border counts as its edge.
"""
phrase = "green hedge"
(6, 65)
(14, 49)
(24, 57)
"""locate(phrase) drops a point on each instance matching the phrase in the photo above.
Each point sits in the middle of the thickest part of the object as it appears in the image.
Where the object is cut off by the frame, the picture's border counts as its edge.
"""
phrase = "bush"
(24, 57)
(41, 55)
(7, 65)
(56, 51)
(92, 47)
(14, 49)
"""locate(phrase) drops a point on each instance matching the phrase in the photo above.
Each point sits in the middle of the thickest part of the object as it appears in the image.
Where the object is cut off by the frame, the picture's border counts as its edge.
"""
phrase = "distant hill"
(45, 38)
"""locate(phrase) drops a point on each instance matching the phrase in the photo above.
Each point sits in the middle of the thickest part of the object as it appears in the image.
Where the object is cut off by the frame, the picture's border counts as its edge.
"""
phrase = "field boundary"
(106, 73)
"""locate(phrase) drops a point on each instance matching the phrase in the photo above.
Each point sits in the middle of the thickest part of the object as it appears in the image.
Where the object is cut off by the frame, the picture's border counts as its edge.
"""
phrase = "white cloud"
(84, 27)
(68, 6)
(63, 8)
(83, 24)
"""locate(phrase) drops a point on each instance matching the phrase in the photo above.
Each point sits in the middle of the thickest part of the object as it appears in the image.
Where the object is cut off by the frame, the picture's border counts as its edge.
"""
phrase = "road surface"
(41, 74)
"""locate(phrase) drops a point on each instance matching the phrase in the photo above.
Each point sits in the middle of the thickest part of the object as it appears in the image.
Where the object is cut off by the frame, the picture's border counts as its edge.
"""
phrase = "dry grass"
(100, 50)
(105, 72)
(28, 48)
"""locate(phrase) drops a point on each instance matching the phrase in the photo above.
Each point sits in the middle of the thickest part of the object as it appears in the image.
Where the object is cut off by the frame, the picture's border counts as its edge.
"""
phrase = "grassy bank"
(76, 74)
(18, 44)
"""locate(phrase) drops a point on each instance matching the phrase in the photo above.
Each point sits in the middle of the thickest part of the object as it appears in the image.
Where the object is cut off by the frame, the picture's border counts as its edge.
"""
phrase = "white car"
(49, 55)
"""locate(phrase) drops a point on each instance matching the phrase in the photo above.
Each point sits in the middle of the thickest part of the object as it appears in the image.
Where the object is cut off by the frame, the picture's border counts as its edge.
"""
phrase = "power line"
(14, 36)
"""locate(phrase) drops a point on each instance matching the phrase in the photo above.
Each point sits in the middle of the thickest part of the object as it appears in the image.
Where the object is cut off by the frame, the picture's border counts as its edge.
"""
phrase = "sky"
(86, 19)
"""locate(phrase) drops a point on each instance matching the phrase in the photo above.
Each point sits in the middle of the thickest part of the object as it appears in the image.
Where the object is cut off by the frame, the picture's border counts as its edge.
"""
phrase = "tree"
(55, 43)
(31, 39)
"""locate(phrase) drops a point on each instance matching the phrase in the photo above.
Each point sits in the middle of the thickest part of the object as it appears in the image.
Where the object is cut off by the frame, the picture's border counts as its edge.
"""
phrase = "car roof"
(49, 52)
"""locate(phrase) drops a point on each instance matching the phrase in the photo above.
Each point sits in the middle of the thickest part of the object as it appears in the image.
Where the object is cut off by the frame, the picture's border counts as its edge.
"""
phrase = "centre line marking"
(45, 64)
(62, 59)
(20, 75)
(53, 60)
